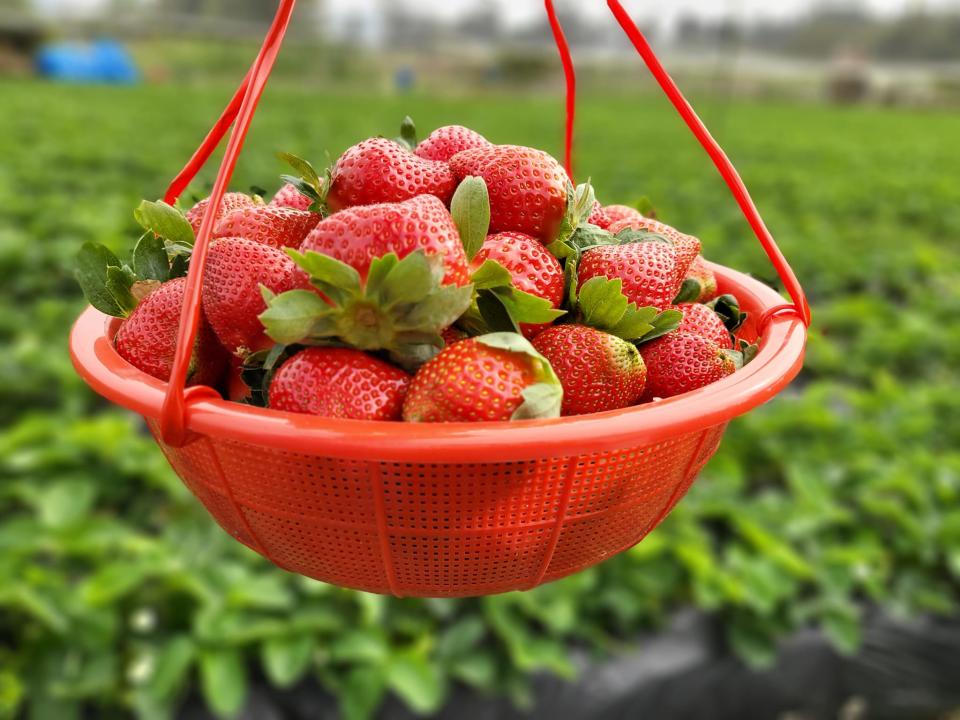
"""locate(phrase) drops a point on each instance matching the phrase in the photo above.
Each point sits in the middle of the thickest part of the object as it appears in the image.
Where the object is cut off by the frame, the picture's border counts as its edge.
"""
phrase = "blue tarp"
(103, 61)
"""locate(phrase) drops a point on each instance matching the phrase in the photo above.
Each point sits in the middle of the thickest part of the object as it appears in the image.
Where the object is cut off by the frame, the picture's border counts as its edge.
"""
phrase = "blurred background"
(812, 572)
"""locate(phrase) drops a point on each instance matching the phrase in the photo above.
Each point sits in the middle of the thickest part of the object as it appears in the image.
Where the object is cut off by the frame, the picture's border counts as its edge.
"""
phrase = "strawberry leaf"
(118, 284)
(303, 168)
(490, 275)
(292, 316)
(178, 266)
(748, 351)
(523, 307)
(728, 308)
(663, 323)
(491, 316)
(601, 304)
(92, 263)
(408, 134)
(333, 278)
(689, 291)
(405, 279)
(470, 208)
(586, 236)
(166, 222)
(150, 261)
(628, 236)
(579, 206)
(541, 400)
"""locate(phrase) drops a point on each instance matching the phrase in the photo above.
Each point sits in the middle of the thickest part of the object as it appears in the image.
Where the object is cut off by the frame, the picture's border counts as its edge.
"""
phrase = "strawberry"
(339, 383)
(231, 201)
(652, 271)
(288, 196)
(598, 371)
(383, 171)
(681, 362)
(499, 376)
(236, 268)
(236, 387)
(445, 142)
(358, 235)
(598, 216)
(705, 279)
(147, 338)
(649, 225)
(621, 214)
(532, 269)
(702, 320)
(528, 188)
(452, 335)
(268, 224)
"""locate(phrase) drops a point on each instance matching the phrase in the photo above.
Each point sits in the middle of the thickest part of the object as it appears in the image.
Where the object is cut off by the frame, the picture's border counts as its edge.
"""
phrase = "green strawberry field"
(119, 595)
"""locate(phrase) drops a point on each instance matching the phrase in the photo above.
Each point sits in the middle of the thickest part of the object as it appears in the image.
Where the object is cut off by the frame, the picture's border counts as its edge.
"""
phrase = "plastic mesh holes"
(441, 530)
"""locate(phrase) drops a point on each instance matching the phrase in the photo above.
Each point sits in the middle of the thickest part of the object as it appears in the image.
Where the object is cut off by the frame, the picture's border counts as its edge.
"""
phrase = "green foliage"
(117, 591)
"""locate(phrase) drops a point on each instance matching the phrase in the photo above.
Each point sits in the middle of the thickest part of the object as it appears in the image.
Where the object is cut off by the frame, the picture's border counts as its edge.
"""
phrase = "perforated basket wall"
(439, 529)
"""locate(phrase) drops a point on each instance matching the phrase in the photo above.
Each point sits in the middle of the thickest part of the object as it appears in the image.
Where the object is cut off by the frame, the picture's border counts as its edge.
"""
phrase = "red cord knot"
(780, 311)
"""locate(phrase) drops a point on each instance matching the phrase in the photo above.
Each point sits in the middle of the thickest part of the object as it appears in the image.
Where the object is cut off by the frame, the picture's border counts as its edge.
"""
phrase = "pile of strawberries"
(446, 280)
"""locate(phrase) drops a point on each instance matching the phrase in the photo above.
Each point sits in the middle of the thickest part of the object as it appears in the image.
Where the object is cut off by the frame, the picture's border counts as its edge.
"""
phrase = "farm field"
(117, 592)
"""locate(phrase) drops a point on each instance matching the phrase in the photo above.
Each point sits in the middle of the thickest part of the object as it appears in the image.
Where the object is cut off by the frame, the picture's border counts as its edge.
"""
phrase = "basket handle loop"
(570, 77)
(727, 171)
(173, 414)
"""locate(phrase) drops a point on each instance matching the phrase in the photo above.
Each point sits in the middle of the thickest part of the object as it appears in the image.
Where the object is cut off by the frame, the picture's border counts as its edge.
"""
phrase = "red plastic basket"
(453, 509)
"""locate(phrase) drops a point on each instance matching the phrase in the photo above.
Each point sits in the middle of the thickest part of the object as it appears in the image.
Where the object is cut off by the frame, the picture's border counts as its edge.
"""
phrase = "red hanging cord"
(173, 414)
(570, 76)
(719, 157)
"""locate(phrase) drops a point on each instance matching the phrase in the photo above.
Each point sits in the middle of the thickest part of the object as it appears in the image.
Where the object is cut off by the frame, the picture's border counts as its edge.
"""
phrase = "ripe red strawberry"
(598, 216)
(680, 362)
(445, 142)
(532, 268)
(236, 268)
(452, 335)
(598, 371)
(147, 339)
(705, 277)
(652, 271)
(383, 171)
(237, 389)
(622, 213)
(487, 378)
(639, 222)
(702, 320)
(527, 187)
(231, 201)
(339, 383)
(358, 235)
(268, 224)
(288, 196)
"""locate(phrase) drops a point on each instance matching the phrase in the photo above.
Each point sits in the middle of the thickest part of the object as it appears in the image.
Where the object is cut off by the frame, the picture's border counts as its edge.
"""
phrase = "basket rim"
(780, 358)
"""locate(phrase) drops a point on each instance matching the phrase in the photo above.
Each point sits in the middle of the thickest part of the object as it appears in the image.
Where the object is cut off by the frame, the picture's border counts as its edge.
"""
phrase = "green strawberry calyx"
(114, 287)
(408, 134)
(470, 209)
(541, 399)
(601, 304)
(728, 308)
(580, 200)
(308, 182)
(498, 306)
(743, 355)
(401, 308)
